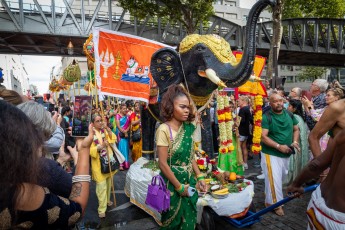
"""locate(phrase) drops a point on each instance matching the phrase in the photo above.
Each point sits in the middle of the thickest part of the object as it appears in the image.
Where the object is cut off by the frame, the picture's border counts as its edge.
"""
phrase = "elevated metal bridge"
(39, 29)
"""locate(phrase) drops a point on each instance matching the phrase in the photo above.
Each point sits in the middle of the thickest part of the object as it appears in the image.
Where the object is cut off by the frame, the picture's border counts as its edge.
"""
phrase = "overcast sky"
(39, 69)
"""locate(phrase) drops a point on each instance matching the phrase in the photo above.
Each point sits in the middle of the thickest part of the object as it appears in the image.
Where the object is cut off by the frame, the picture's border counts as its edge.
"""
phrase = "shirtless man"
(326, 209)
(333, 120)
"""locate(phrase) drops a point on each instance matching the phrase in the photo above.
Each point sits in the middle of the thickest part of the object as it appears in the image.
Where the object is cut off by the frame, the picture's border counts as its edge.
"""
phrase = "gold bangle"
(199, 175)
(179, 188)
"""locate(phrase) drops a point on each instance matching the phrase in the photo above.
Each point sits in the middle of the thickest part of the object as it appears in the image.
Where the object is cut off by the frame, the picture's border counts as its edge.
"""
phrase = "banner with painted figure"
(123, 64)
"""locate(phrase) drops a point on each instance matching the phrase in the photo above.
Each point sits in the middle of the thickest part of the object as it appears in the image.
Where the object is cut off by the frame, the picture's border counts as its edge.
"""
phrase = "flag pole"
(111, 175)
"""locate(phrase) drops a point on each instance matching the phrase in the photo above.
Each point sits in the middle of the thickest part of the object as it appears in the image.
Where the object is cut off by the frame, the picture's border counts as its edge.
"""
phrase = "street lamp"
(70, 48)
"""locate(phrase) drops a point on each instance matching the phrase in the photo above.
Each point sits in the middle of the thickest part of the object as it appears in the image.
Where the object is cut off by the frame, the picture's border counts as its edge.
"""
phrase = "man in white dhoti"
(280, 135)
(326, 209)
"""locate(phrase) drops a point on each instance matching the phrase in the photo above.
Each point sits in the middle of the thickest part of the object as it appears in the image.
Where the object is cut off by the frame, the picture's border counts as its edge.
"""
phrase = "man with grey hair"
(317, 90)
(295, 93)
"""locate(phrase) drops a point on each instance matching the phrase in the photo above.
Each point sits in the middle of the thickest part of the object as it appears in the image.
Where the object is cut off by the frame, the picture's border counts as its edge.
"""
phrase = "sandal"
(101, 215)
(110, 203)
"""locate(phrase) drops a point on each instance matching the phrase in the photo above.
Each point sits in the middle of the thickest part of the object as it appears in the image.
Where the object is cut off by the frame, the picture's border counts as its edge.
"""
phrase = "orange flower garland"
(224, 122)
(258, 102)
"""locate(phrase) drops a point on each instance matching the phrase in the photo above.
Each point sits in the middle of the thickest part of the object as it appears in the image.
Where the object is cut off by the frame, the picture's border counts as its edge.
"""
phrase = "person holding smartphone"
(177, 161)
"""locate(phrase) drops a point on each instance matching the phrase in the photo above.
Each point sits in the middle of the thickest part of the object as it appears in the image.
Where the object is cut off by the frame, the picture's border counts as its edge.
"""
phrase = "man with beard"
(280, 134)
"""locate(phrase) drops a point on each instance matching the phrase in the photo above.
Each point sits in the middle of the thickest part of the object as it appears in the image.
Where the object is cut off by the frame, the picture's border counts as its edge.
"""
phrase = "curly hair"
(19, 160)
(167, 104)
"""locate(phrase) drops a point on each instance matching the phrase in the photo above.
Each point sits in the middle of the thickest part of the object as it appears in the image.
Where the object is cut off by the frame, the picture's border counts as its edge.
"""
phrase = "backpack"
(269, 117)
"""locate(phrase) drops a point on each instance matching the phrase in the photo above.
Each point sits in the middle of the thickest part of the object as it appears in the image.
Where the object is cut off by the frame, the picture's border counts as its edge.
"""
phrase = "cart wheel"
(207, 222)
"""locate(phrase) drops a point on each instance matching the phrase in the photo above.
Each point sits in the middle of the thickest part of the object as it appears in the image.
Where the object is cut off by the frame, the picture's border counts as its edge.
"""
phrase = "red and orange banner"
(253, 87)
(123, 64)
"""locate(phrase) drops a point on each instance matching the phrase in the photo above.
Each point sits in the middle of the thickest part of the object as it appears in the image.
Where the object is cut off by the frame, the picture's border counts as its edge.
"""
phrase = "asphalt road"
(127, 216)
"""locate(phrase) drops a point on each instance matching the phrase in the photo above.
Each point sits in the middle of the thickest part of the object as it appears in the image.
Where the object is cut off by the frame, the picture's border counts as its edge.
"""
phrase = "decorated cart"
(232, 204)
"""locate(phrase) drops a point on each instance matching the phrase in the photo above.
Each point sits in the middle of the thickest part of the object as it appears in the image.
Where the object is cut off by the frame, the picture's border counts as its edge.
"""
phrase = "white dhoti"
(322, 217)
(275, 170)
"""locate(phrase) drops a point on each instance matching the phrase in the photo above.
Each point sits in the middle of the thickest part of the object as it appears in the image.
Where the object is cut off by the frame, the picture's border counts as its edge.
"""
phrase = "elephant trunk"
(241, 73)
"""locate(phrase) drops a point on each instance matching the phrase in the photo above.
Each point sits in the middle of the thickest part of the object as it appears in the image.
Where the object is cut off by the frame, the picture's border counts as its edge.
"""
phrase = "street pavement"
(127, 216)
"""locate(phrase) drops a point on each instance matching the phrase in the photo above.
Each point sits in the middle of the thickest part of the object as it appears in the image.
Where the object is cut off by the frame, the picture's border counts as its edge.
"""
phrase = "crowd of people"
(41, 157)
(301, 142)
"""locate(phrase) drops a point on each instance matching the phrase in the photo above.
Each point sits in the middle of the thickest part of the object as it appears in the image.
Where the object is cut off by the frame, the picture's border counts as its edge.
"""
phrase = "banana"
(208, 180)
(223, 191)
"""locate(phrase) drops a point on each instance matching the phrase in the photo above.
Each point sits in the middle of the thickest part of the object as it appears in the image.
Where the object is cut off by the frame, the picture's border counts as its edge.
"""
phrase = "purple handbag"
(158, 196)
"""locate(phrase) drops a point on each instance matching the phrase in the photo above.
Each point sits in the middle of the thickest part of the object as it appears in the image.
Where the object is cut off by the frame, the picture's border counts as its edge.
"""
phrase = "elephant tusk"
(212, 76)
(254, 78)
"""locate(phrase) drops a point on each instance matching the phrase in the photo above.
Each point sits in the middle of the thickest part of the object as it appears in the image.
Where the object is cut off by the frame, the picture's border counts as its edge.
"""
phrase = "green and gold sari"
(182, 213)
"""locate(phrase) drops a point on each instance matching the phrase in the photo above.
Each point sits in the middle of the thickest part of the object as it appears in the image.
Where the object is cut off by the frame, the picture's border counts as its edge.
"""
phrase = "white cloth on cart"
(138, 179)
(233, 204)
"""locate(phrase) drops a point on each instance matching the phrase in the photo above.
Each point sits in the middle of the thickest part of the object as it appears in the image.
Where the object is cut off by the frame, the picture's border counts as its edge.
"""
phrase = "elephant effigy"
(202, 64)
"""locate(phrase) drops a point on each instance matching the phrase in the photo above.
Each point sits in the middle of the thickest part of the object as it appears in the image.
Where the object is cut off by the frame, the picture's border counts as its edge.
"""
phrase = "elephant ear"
(166, 68)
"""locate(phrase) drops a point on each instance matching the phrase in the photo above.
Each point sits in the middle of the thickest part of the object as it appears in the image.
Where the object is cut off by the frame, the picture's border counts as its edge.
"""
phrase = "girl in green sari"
(175, 149)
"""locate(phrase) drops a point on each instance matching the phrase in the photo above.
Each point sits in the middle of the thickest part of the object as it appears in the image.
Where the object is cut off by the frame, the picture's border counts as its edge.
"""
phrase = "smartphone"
(191, 191)
(292, 150)
(81, 116)
(307, 94)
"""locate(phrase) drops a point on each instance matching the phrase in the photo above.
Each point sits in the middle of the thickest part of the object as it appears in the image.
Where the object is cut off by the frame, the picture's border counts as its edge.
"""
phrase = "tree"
(297, 9)
(277, 35)
(314, 8)
(311, 73)
(189, 12)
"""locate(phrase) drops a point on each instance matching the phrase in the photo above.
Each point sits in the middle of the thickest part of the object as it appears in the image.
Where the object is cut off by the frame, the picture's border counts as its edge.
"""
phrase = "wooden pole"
(111, 175)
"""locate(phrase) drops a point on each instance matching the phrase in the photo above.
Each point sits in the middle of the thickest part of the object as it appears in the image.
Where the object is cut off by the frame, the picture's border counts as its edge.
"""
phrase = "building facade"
(15, 75)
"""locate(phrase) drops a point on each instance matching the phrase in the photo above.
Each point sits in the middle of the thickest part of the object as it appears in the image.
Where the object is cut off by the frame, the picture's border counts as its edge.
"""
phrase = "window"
(245, 17)
(220, 14)
(289, 79)
(231, 16)
(218, 2)
(230, 3)
(282, 67)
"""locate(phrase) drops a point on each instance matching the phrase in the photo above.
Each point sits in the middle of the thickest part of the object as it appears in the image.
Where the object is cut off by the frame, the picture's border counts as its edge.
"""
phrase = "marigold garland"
(258, 102)
(224, 123)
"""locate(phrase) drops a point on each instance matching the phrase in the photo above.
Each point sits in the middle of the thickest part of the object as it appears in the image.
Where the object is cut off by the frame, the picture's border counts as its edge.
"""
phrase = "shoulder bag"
(136, 135)
(105, 165)
(158, 195)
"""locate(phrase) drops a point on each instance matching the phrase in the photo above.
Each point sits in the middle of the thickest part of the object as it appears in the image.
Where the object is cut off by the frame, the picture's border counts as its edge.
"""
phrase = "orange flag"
(123, 64)
(253, 88)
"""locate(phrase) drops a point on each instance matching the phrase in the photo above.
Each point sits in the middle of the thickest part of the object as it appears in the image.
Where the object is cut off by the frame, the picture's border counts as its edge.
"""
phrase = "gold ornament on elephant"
(200, 100)
(218, 46)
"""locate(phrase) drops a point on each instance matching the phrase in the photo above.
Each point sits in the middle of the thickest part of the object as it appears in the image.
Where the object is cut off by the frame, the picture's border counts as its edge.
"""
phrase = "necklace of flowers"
(224, 121)
(103, 152)
(258, 102)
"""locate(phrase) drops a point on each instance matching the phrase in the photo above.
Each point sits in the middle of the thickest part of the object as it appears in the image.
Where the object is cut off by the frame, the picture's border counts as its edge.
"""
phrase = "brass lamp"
(70, 47)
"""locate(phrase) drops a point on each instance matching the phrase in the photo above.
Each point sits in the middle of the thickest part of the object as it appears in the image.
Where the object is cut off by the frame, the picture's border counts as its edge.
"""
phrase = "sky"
(39, 70)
